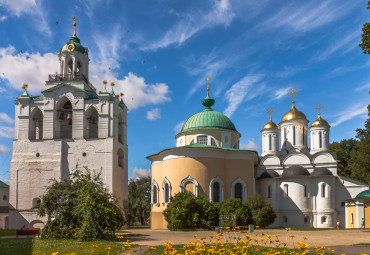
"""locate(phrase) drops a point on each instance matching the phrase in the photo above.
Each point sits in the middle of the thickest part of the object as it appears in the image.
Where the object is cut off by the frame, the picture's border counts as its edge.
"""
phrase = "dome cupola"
(319, 130)
(270, 136)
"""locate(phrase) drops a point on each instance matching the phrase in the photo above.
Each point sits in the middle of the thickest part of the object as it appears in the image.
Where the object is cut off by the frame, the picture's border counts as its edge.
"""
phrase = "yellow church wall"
(351, 209)
(367, 212)
(203, 170)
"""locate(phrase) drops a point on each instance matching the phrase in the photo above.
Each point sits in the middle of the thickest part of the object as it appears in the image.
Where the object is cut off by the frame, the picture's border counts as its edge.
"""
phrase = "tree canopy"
(365, 39)
(139, 201)
(80, 207)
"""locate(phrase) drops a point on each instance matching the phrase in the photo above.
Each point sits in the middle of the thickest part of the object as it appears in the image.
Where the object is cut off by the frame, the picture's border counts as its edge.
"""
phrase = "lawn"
(33, 246)
(8, 232)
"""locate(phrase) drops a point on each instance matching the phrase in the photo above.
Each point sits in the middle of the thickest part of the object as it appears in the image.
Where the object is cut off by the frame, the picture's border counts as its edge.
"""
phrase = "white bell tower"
(270, 136)
(319, 133)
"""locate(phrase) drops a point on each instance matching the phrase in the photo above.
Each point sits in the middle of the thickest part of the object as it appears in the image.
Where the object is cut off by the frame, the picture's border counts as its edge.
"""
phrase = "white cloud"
(138, 173)
(251, 145)
(7, 132)
(2, 18)
(178, 126)
(300, 17)
(16, 7)
(220, 13)
(289, 71)
(280, 93)
(32, 68)
(238, 92)
(153, 114)
(4, 149)
(364, 87)
(6, 118)
(5, 181)
(350, 113)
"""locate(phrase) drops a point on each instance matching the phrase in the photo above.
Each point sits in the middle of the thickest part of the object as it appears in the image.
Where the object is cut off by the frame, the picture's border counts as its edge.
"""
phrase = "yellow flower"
(107, 249)
(129, 241)
(292, 236)
(55, 253)
(151, 248)
(288, 229)
(94, 246)
(257, 227)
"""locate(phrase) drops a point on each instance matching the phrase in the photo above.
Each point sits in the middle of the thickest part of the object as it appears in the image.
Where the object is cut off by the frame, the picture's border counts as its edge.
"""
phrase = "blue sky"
(160, 52)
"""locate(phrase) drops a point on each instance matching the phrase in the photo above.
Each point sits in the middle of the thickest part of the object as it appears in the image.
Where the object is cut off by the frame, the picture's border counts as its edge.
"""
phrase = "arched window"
(269, 142)
(166, 186)
(216, 190)
(320, 140)
(36, 124)
(269, 191)
(213, 142)
(285, 219)
(79, 66)
(92, 123)
(305, 191)
(155, 193)
(120, 128)
(286, 190)
(64, 119)
(236, 145)
(303, 135)
(5, 197)
(202, 139)
(70, 66)
(351, 218)
(307, 219)
(190, 184)
(293, 135)
(36, 202)
(239, 189)
(323, 190)
(120, 156)
(284, 138)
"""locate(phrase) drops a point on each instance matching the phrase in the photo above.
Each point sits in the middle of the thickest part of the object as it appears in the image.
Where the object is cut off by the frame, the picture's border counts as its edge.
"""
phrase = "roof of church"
(208, 119)
(293, 114)
(321, 171)
(295, 171)
(364, 194)
(320, 122)
(3, 185)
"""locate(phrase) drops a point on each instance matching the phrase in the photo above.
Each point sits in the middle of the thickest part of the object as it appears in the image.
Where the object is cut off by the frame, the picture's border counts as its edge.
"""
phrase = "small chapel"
(69, 126)
(296, 174)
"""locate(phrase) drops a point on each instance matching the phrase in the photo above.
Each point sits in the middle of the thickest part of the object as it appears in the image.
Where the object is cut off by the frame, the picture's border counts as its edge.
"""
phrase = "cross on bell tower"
(319, 107)
(270, 111)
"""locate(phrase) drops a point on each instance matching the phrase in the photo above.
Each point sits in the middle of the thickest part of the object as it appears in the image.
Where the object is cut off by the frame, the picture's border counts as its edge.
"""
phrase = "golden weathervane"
(270, 111)
(208, 79)
(319, 107)
(25, 86)
(112, 84)
(293, 92)
(74, 25)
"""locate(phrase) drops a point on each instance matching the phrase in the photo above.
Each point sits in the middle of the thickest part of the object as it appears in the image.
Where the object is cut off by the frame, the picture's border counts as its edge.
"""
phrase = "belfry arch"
(64, 119)
(36, 122)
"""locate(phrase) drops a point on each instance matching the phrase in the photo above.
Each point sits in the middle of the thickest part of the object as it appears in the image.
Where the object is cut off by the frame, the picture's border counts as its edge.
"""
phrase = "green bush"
(260, 211)
(234, 206)
(187, 211)
(80, 207)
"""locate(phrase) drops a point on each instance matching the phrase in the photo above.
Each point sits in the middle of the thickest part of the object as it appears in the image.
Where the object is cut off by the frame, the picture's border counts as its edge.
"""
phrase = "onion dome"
(320, 121)
(321, 171)
(364, 194)
(270, 124)
(74, 43)
(293, 114)
(295, 171)
(208, 118)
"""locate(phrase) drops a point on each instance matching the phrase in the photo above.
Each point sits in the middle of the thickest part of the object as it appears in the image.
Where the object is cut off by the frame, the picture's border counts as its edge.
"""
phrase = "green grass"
(138, 226)
(8, 232)
(36, 246)
(363, 244)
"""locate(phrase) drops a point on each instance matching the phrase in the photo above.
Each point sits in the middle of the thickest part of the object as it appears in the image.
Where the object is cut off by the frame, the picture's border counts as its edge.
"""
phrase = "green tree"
(260, 211)
(343, 150)
(80, 207)
(234, 206)
(365, 40)
(139, 201)
(187, 211)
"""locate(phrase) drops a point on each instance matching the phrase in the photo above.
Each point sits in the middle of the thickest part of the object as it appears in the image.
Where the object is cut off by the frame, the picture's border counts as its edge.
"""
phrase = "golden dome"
(270, 125)
(320, 122)
(293, 114)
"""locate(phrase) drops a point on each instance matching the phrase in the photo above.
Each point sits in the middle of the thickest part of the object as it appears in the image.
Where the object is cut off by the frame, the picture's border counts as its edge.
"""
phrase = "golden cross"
(208, 79)
(293, 92)
(270, 111)
(112, 84)
(74, 25)
(25, 86)
(319, 107)
(122, 94)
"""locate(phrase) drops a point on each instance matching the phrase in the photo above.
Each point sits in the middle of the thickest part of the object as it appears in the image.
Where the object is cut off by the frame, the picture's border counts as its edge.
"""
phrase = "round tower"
(293, 127)
(270, 136)
(319, 131)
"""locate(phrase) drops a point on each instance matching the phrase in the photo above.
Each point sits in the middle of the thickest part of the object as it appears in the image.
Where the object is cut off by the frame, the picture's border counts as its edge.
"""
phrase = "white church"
(70, 126)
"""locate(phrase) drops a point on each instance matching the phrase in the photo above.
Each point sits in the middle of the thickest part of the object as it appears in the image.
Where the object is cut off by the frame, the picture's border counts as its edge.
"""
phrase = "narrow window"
(216, 192)
(323, 190)
(284, 138)
(213, 142)
(303, 132)
(155, 194)
(120, 156)
(238, 191)
(269, 142)
(320, 140)
(305, 190)
(286, 190)
(293, 135)
(192, 141)
(5, 197)
(166, 193)
(269, 191)
(306, 219)
(285, 219)
(323, 219)
(202, 139)
(351, 218)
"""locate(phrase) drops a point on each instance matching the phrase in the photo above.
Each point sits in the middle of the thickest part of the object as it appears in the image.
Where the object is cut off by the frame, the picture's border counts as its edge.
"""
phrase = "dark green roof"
(3, 185)
(364, 194)
(76, 41)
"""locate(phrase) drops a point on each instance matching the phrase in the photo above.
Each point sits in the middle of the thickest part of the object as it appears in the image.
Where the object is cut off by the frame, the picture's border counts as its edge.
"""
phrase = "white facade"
(302, 184)
(70, 126)
(4, 206)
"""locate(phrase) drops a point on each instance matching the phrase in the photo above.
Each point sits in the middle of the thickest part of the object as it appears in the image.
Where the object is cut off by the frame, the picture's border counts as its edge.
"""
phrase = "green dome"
(208, 119)
(364, 194)
(76, 41)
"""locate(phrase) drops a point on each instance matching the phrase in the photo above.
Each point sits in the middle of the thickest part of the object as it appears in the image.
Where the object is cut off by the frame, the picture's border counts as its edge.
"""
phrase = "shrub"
(237, 207)
(80, 207)
(187, 211)
(260, 211)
